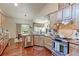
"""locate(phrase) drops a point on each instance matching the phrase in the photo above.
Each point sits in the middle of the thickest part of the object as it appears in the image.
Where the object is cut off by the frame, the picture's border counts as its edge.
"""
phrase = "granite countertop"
(71, 41)
(38, 35)
(76, 42)
(73, 51)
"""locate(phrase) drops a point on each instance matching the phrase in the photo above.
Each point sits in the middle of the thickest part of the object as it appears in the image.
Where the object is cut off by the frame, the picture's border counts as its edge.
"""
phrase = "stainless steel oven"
(60, 46)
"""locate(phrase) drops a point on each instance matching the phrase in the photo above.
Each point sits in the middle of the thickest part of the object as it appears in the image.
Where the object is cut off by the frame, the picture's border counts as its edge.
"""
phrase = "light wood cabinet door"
(4, 21)
(53, 19)
(76, 13)
(41, 41)
(59, 15)
(48, 43)
(0, 20)
(1, 46)
(63, 5)
(36, 40)
(67, 13)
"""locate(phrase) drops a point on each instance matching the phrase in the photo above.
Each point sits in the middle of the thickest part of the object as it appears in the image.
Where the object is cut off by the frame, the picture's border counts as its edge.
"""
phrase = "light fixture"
(16, 4)
(25, 14)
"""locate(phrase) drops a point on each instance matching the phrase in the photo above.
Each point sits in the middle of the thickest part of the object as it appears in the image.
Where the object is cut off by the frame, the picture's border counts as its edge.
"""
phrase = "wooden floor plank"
(17, 49)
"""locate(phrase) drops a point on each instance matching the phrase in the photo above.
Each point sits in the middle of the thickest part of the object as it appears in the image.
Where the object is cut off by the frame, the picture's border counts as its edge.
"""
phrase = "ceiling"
(31, 9)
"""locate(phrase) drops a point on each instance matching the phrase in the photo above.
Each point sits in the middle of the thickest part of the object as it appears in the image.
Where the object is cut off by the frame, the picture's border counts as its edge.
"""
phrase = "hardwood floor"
(17, 49)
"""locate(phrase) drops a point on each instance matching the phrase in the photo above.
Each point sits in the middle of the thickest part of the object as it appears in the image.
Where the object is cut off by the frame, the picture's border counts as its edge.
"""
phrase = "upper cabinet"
(63, 5)
(3, 21)
(59, 15)
(67, 13)
(77, 10)
(0, 20)
(75, 13)
(53, 18)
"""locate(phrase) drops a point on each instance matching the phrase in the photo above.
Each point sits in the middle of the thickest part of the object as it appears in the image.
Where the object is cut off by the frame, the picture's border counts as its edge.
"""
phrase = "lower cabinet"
(48, 43)
(3, 43)
(28, 41)
(36, 40)
(43, 41)
(39, 40)
(1, 46)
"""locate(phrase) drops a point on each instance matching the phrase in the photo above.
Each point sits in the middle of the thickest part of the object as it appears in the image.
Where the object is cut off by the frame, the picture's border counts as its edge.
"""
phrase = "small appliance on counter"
(60, 47)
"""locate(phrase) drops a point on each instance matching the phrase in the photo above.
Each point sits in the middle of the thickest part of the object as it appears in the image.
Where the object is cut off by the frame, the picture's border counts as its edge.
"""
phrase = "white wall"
(51, 7)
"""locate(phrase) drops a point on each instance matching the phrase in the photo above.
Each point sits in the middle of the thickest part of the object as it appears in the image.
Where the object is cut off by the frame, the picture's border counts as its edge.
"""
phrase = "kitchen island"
(37, 40)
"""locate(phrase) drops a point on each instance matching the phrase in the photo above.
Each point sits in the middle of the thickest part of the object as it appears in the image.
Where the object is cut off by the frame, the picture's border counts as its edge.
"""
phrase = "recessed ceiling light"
(15, 4)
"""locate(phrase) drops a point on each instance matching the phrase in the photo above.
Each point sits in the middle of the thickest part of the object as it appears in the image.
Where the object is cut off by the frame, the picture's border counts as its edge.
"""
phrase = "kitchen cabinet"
(3, 43)
(76, 13)
(59, 15)
(27, 40)
(4, 20)
(48, 43)
(43, 41)
(0, 20)
(77, 10)
(63, 5)
(67, 12)
(39, 40)
(53, 19)
(36, 40)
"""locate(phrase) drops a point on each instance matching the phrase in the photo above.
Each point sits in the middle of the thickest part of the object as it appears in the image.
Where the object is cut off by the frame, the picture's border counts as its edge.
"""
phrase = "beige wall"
(11, 26)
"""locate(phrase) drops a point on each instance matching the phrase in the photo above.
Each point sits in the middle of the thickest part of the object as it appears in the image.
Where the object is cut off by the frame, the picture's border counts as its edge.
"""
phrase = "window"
(25, 29)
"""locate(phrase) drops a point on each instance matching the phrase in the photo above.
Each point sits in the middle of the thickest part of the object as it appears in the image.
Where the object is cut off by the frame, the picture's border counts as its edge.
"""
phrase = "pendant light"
(25, 14)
